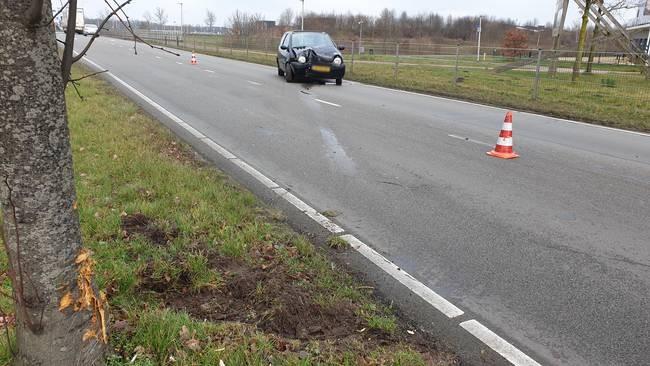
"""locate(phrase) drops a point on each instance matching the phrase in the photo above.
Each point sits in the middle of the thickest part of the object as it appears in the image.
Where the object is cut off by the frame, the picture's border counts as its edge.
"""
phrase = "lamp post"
(302, 16)
(360, 36)
(181, 4)
(478, 48)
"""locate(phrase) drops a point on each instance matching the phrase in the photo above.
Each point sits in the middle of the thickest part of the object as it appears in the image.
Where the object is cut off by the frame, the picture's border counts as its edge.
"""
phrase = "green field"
(619, 98)
(198, 271)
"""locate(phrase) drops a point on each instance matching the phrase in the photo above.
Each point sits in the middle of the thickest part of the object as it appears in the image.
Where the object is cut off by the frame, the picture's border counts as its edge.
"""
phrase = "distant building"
(639, 28)
(265, 24)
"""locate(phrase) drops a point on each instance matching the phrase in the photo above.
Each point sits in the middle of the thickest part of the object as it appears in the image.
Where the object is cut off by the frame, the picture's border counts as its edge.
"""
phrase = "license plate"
(318, 68)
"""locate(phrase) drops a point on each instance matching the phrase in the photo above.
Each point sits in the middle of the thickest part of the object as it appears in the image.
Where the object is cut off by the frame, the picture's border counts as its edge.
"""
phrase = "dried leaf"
(184, 333)
(193, 344)
(65, 301)
(90, 334)
(83, 256)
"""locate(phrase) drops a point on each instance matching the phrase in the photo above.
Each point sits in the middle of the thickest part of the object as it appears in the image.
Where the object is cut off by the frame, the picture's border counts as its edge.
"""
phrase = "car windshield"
(301, 40)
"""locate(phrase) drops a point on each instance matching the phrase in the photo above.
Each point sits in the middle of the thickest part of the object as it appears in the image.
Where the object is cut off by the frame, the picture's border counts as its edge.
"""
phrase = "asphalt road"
(551, 251)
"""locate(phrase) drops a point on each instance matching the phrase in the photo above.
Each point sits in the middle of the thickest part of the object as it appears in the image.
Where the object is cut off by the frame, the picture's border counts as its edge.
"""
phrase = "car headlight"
(337, 60)
(302, 59)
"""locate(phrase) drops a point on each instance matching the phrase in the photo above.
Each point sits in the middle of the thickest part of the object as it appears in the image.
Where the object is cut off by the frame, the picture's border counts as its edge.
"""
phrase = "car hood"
(324, 53)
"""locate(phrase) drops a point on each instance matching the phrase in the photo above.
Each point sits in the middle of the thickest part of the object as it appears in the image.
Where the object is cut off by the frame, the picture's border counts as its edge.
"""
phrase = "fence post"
(396, 60)
(456, 69)
(352, 61)
(177, 41)
(537, 69)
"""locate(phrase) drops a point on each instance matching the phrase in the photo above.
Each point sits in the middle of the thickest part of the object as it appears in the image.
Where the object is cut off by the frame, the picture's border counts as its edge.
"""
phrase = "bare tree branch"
(87, 76)
(101, 26)
(34, 14)
(66, 61)
(74, 84)
(58, 13)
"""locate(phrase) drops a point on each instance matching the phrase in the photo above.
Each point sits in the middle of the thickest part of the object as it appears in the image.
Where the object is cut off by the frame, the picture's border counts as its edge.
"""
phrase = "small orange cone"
(503, 149)
(194, 61)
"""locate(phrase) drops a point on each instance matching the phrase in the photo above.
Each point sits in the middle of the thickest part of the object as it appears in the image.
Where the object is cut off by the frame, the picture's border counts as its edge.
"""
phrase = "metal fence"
(609, 86)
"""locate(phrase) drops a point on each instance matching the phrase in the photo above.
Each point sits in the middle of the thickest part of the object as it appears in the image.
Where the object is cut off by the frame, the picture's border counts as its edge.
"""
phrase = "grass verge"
(198, 271)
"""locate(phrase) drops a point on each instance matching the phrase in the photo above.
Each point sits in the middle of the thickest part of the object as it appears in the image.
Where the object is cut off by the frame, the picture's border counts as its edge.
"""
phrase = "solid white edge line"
(504, 109)
(498, 344)
(219, 149)
(157, 106)
(328, 103)
(309, 211)
(255, 173)
(417, 287)
(254, 83)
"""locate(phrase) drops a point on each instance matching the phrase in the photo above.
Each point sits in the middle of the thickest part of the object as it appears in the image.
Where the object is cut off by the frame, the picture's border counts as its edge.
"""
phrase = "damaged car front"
(310, 55)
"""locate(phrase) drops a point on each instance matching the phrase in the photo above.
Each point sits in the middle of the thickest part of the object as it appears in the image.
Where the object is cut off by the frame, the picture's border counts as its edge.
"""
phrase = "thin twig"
(58, 13)
(87, 76)
(101, 26)
(74, 84)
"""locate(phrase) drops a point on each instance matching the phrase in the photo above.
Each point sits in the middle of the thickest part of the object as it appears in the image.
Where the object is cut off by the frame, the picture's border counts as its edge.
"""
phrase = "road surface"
(551, 251)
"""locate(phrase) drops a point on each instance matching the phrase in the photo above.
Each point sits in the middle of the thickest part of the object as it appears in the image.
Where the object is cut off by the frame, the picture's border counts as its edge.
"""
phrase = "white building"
(639, 28)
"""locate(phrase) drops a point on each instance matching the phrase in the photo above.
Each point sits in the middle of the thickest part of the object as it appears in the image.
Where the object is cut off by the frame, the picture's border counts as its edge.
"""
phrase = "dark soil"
(265, 295)
(139, 224)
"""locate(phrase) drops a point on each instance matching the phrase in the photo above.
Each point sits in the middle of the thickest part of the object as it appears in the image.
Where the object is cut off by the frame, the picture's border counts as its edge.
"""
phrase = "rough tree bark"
(37, 193)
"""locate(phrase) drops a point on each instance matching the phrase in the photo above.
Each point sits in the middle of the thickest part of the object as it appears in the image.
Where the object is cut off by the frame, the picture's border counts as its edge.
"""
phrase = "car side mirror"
(284, 48)
(341, 48)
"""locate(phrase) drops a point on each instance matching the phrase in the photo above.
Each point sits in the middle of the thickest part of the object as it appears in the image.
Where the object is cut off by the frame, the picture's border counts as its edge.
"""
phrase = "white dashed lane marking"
(328, 103)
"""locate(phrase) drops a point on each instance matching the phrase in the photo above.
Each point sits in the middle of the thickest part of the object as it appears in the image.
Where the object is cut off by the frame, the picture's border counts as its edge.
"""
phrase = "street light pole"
(360, 36)
(478, 49)
(302, 16)
(181, 4)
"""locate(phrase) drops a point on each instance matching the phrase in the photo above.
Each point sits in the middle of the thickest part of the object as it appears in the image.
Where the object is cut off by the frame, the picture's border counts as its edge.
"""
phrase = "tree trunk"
(581, 41)
(37, 194)
(592, 47)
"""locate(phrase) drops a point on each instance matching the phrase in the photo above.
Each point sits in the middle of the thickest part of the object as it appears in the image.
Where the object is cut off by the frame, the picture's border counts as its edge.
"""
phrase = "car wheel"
(288, 74)
(280, 72)
(339, 81)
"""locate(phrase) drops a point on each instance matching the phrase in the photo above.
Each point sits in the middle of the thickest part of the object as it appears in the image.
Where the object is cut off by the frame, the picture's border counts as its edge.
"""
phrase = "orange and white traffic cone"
(194, 61)
(503, 149)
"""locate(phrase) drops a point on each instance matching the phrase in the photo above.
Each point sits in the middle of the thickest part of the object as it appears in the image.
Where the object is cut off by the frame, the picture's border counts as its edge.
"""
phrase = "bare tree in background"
(243, 24)
(148, 20)
(286, 18)
(210, 19)
(161, 16)
(60, 316)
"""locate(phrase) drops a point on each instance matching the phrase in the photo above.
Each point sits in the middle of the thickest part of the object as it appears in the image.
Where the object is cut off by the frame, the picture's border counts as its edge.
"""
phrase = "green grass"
(336, 242)
(126, 163)
(620, 101)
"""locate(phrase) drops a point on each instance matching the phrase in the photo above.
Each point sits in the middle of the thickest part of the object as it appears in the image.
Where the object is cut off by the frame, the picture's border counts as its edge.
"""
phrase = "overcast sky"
(194, 10)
